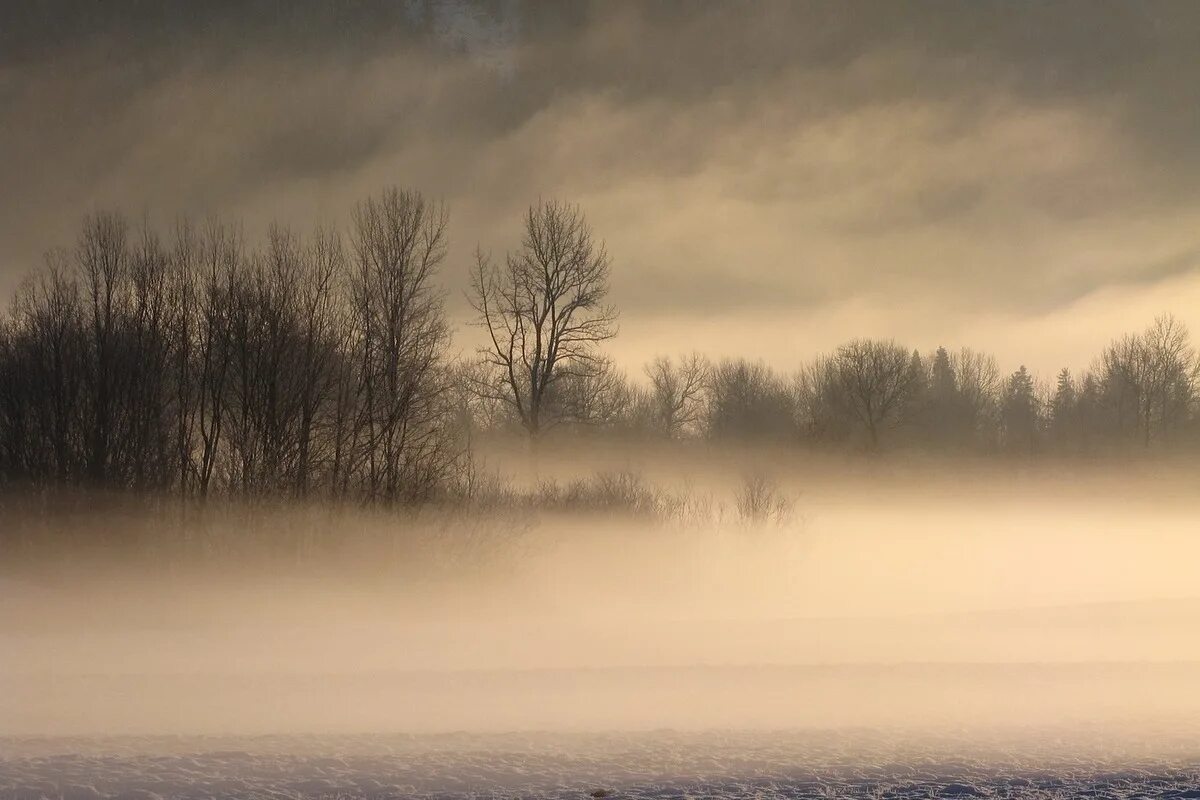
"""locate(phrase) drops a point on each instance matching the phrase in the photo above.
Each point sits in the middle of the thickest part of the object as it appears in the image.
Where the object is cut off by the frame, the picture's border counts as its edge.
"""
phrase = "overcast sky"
(770, 178)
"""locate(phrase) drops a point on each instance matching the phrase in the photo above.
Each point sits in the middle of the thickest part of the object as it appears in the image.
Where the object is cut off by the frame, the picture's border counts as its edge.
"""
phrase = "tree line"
(870, 395)
(200, 364)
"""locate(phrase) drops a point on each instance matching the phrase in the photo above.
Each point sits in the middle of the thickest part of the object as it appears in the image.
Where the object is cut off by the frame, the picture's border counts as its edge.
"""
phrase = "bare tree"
(102, 258)
(747, 400)
(399, 336)
(42, 390)
(199, 368)
(974, 414)
(145, 405)
(822, 407)
(873, 378)
(543, 310)
(1172, 369)
(266, 389)
(221, 262)
(321, 329)
(600, 397)
(1149, 379)
(677, 394)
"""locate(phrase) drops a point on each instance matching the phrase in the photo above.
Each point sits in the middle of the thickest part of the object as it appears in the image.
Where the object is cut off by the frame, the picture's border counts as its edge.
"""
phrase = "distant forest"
(318, 366)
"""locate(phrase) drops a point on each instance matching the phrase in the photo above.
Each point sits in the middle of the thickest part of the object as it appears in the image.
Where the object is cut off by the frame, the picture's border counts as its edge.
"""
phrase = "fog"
(885, 592)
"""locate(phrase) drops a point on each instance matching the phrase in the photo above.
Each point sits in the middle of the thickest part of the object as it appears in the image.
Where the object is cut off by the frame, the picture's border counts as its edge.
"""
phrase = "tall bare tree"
(400, 335)
(146, 419)
(544, 311)
(184, 282)
(321, 328)
(220, 265)
(102, 258)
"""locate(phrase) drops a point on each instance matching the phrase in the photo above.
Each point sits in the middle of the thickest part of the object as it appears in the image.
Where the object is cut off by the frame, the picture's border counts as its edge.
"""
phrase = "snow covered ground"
(658, 764)
(979, 654)
(73, 726)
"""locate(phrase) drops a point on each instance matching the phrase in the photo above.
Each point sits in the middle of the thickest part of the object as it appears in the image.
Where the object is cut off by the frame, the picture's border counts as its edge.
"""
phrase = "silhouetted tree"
(746, 400)
(874, 379)
(914, 415)
(543, 311)
(1149, 380)
(399, 335)
(943, 416)
(304, 366)
(821, 410)
(676, 399)
(1019, 413)
(978, 385)
(102, 258)
(600, 397)
(1064, 417)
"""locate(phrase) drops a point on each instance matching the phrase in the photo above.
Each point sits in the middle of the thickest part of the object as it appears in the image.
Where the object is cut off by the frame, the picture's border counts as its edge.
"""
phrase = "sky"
(770, 178)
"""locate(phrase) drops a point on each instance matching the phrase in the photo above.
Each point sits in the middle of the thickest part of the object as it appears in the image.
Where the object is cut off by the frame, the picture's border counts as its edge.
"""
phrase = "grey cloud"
(735, 156)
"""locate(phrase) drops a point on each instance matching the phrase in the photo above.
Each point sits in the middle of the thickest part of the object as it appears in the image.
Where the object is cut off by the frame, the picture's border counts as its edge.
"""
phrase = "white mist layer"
(880, 602)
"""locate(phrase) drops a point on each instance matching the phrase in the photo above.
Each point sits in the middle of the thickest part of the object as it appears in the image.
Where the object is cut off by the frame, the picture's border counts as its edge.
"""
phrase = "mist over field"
(936, 601)
(456, 398)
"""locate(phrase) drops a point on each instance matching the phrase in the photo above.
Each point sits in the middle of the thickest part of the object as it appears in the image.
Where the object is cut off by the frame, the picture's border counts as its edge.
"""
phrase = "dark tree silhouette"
(317, 366)
(1020, 412)
(1149, 380)
(1064, 417)
(874, 379)
(202, 366)
(676, 397)
(399, 340)
(748, 401)
(543, 311)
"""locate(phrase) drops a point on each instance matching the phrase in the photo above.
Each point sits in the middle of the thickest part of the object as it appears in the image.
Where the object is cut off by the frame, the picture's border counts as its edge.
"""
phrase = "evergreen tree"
(943, 412)
(1019, 412)
(1064, 412)
(942, 375)
(918, 398)
(1089, 411)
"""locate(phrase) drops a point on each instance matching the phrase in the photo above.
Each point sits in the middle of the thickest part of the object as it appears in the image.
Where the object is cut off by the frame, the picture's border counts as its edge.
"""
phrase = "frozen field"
(1003, 660)
(1028, 763)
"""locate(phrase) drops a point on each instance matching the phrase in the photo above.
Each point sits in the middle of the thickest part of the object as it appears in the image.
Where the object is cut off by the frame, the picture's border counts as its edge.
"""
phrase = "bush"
(622, 492)
(760, 501)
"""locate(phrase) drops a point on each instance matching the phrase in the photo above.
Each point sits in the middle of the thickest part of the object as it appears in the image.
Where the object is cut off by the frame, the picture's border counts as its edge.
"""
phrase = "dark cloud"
(1005, 158)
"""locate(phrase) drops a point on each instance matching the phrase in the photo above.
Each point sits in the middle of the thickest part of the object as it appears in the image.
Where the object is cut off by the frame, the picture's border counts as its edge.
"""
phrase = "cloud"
(940, 172)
